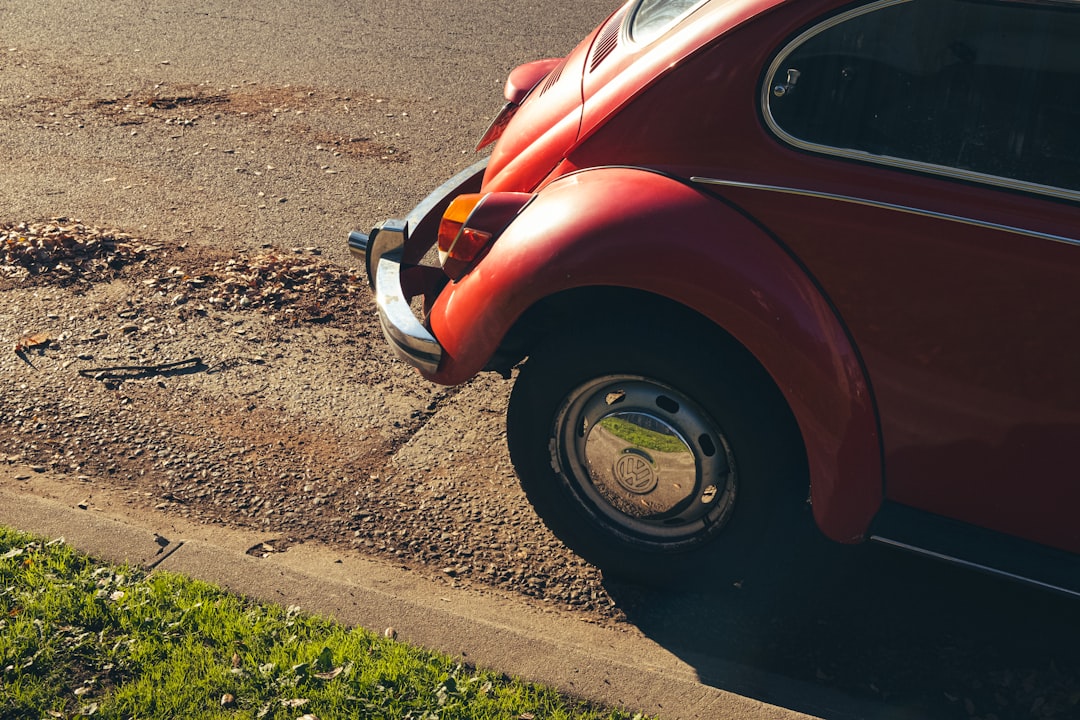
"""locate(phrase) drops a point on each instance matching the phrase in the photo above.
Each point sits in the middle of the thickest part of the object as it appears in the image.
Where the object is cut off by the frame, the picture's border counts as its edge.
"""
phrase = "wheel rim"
(645, 461)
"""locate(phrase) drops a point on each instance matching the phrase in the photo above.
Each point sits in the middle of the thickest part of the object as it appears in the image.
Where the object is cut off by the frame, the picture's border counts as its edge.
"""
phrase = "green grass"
(642, 437)
(82, 639)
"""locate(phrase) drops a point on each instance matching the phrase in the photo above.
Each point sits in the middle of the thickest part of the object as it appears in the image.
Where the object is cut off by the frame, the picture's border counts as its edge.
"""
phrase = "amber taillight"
(471, 224)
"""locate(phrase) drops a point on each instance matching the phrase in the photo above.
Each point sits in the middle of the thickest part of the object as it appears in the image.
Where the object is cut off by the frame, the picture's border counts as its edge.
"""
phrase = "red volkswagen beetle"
(759, 251)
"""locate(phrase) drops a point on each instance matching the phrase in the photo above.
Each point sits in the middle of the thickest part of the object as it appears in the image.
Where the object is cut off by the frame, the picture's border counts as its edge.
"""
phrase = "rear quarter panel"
(626, 227)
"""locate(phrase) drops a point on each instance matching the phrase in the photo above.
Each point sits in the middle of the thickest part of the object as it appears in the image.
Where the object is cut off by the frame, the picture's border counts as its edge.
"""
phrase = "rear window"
(652, 17)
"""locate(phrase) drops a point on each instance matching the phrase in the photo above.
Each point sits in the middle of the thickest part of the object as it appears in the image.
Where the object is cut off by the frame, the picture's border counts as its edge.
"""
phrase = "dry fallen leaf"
(29, 342)
(330, 674)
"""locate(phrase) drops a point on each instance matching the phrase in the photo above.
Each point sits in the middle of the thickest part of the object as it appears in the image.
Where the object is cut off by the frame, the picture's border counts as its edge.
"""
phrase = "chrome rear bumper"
(358, 244)
(383, 253)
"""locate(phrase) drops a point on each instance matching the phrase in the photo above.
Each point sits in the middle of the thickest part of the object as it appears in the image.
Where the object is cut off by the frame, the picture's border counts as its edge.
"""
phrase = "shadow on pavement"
(867, 631)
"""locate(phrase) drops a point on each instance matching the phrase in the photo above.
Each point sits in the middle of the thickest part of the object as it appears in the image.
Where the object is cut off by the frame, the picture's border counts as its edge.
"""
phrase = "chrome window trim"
(890, 206)
(886, 160)
(628, 23)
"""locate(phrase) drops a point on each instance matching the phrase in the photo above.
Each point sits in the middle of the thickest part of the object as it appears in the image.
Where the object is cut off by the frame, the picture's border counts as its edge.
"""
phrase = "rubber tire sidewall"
(719, 377)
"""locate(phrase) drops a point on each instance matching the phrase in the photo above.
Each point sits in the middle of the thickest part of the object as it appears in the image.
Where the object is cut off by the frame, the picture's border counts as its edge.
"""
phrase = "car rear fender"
(634, 228)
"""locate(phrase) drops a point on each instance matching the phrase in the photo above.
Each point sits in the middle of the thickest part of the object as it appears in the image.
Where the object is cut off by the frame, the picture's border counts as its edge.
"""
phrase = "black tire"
(599, 426)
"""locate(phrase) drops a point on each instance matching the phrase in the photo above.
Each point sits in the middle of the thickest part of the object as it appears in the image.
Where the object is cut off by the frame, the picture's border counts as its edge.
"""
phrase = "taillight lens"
(471, 223)
(451, 226)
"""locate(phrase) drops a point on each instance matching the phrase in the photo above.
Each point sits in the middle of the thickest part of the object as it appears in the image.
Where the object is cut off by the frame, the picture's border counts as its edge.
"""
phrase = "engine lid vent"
(553, 77)
(606, 41)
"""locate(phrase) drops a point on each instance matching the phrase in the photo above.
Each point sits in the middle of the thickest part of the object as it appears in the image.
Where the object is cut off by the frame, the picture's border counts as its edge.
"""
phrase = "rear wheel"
(656, 462)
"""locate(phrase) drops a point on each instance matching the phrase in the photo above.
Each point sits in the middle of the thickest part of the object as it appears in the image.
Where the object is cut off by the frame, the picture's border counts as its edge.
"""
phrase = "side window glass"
(983, 87)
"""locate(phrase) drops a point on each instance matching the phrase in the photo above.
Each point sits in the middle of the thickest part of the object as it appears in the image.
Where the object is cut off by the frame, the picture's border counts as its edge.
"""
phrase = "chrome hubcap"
(645, 460)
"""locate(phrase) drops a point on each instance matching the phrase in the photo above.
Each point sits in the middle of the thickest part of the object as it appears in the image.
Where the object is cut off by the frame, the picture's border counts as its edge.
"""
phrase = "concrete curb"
(615, 666)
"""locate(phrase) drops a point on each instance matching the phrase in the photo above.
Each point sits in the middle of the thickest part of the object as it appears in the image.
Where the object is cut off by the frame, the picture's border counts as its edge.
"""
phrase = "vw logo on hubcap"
(634, 470)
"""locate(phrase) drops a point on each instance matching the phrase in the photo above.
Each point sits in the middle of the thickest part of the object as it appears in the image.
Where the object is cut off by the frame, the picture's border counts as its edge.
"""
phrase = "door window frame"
(769, 82)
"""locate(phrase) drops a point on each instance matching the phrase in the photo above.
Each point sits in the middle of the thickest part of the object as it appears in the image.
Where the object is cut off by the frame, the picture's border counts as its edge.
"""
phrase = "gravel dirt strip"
(256, 390)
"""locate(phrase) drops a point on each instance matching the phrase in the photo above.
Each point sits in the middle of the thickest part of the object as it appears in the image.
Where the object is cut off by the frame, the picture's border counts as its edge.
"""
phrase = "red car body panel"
(524, 78)
(540, 133)
(948, 319)
(574, 235)
(615, 80)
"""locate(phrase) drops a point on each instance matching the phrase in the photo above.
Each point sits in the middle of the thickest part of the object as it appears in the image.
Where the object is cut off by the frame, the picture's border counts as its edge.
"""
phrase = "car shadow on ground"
(872, 632)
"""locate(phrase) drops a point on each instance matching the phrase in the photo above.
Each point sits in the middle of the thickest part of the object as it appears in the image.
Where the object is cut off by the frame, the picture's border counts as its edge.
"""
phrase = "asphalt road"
(321, 116)
(424, 76)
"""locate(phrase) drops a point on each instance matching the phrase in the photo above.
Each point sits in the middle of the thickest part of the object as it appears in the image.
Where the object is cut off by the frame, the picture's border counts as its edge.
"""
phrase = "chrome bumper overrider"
(382, 252)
